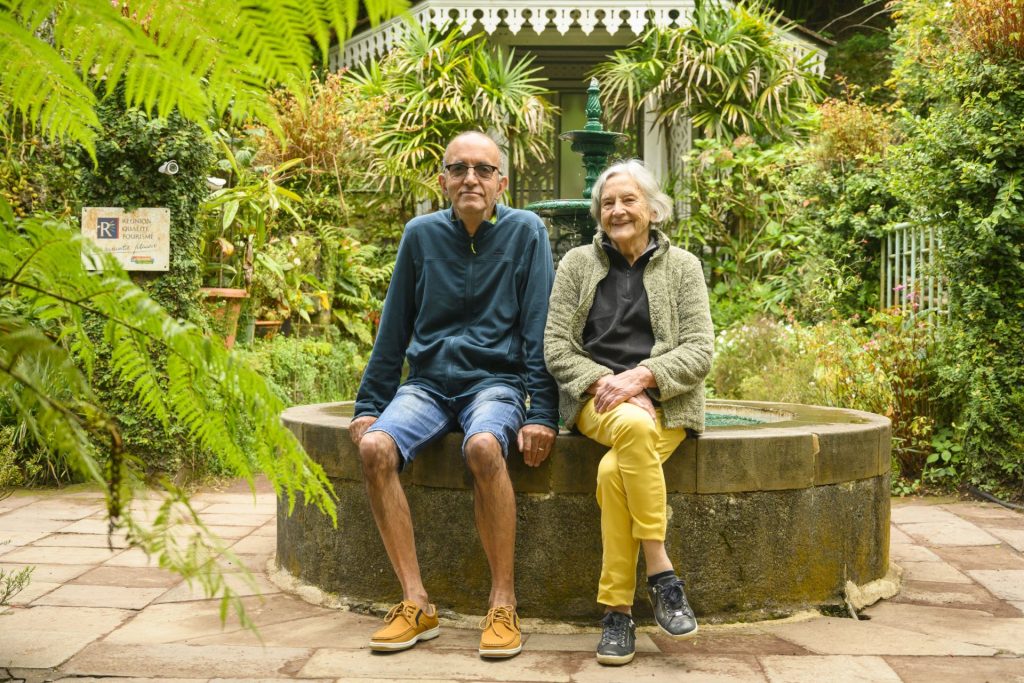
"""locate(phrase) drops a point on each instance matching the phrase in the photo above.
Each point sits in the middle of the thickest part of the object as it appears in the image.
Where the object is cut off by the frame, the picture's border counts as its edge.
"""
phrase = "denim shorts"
(417, 415)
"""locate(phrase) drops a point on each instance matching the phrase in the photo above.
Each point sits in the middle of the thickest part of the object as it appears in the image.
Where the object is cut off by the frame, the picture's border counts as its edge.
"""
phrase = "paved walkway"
(92, 612)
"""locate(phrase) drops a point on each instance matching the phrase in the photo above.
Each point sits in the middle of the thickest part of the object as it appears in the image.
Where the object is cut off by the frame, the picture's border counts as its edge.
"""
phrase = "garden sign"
(139, 239)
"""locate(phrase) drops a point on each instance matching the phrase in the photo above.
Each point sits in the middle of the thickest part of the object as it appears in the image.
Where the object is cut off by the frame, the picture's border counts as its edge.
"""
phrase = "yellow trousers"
(630, 490)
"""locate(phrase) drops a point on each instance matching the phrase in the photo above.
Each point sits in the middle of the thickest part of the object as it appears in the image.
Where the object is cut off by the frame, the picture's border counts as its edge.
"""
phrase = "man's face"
(470, 195)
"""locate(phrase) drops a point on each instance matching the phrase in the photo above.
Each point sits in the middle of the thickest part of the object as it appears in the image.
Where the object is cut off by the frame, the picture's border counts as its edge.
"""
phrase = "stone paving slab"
(17, 522)
(669, 669)
(328, 629)
(44, 637)
(133, 557)
(969, 596)
(933, 571)
(182, 621)
(816, 668)
(236, 519)
(982, 557)
(82, 541)
(847, 637)
(51, 573)
(1014, 537)
(978, 628)
(59, 555)
(78, 595)
(130, 577)
(1005, 584)
(458, 665)
(96, 525)
(905, 552)
(957, 532)
(572, 642)
(186, 661)
(958, 669)
(909, 511)
(256, 584)
(726, 643)
(33, 591)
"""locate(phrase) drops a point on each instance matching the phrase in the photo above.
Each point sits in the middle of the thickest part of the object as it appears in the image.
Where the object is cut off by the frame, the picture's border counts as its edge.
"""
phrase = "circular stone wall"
(763, 519)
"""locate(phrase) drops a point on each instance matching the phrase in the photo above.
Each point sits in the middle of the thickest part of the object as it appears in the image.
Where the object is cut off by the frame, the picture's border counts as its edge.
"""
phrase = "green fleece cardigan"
(680, 320)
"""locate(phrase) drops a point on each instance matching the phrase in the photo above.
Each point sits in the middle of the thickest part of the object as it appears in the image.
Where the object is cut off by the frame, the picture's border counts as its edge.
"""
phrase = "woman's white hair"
(659, 203)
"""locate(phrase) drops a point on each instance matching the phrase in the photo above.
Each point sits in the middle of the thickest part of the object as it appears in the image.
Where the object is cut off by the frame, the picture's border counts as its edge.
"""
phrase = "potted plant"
(239, 221)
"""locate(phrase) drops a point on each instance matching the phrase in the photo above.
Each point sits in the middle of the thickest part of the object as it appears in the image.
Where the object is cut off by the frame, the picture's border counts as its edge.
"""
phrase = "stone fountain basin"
(764, 519)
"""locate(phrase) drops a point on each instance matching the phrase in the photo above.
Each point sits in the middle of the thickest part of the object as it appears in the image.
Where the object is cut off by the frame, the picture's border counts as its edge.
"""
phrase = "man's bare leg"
(390, 507)
(494, 503)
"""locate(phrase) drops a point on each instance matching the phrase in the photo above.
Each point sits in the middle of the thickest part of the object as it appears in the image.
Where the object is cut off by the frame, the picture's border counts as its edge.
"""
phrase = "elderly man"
(467, 307)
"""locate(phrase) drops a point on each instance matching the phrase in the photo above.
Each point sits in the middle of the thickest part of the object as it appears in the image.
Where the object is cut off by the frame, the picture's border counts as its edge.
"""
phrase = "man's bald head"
(471, 134)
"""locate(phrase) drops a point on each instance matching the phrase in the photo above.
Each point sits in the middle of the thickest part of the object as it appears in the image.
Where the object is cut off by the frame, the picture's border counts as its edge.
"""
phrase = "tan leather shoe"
(404, 626)
(501, 636)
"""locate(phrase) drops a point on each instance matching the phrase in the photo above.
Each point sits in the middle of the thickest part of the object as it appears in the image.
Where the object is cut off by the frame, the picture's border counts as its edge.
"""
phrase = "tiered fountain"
(569, 219)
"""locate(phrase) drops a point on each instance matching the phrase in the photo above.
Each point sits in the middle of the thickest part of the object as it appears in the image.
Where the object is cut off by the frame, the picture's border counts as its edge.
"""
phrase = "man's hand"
(535, 442)
(644, 401)
(358, 427)
(613, 390)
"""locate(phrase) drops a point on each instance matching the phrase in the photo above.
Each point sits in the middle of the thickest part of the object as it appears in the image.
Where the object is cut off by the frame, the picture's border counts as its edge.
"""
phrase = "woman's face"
(625, 214)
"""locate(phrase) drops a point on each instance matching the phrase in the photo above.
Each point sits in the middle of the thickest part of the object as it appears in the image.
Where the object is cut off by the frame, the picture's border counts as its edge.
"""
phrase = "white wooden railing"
(910, 275)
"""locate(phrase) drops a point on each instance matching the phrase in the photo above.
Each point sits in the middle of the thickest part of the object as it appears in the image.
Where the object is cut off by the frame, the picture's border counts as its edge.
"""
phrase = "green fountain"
(570, 219)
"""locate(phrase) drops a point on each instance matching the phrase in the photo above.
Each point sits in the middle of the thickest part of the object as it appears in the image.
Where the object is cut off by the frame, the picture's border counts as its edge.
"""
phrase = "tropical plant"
(439, 85)
(240, 217)
(729, 71)
(57, 58)
(224, 406)
(202, 62)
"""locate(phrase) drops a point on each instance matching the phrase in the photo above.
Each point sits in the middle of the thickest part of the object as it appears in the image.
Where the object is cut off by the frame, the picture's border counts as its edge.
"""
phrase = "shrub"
(994, 28)
(883, 365)
(306, 370)
(960, 172)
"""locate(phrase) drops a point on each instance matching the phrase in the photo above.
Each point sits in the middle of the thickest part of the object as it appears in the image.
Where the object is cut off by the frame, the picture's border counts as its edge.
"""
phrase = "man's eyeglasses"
(483, 171)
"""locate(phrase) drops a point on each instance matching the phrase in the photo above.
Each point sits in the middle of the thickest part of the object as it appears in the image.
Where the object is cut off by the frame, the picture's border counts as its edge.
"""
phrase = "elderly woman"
(629, 340)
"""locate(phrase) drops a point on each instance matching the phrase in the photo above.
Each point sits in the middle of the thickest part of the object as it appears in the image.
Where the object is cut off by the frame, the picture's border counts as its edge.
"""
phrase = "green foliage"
(241, 219)
(740, 224)
(193, 58)
(222, 405)
(960, 172)
(922, 52)
(862, 63)
(839, 188)
(439, 85)
(884, 365)
(131, 148)
(36, 176)
(307, 370)
(13, 582)
(728, 71)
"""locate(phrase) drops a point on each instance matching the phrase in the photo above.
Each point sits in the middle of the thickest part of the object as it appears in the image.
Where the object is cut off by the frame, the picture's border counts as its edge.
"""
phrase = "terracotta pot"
(268, 328)
(225, 306)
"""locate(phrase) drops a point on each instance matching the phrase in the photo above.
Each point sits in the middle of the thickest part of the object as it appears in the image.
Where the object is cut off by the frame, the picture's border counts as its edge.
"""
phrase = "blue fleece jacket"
(467, 313)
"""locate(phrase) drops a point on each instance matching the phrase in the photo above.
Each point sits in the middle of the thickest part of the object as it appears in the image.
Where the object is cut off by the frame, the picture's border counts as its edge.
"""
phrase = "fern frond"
(198, 58)
(43, 87)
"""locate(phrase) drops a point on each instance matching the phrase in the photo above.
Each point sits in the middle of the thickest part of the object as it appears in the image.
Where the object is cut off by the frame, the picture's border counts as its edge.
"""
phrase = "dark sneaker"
(618, 639)
(671, 610)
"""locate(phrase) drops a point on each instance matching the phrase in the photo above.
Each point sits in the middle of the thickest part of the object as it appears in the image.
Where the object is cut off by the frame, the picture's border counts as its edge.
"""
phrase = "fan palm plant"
(442, 84)
(729, 72)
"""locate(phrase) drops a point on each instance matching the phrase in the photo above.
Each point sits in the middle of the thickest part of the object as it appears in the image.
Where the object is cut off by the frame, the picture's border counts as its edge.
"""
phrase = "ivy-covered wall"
(130, 149)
